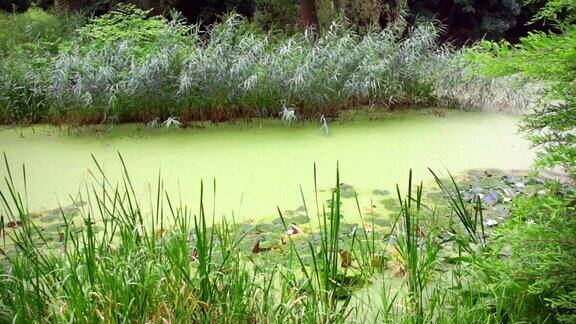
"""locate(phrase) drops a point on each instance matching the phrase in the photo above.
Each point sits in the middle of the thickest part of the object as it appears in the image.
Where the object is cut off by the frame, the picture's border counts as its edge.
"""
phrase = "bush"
(28, 42)
(532, 269)
(546, 59)
(471, 19)
(130, 25)
(35, 30)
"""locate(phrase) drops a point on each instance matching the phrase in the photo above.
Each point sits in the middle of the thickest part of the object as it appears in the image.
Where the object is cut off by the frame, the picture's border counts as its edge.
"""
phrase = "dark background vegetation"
(463, 20)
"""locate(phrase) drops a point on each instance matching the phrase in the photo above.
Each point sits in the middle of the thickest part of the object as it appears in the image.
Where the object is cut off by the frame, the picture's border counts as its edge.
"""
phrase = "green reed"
(121, 262)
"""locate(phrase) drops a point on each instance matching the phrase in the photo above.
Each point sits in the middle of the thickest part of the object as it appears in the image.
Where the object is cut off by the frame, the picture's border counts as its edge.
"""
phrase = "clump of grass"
(234, 70)
(119, 261)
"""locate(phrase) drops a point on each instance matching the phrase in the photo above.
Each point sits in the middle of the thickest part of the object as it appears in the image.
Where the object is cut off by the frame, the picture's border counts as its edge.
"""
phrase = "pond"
(261, 165)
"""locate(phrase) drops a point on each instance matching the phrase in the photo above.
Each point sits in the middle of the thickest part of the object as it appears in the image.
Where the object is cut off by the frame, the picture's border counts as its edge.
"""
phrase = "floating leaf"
(256, 248)
(510, 179)
(391, 204)
(519, 185)
(293, 230)
(378, 192)
(347, 191)
(346, 258)
(382, 221)
(301, 219)
(491, 197)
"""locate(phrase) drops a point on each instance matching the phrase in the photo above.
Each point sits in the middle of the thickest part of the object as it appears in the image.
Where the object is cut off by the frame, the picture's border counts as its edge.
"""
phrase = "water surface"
(258, 166)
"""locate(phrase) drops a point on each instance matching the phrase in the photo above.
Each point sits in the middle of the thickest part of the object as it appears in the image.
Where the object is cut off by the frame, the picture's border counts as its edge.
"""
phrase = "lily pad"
(54, 228)
(378, 192)
(347, 191)
(391, 204)
(382, 222)
(491, 197)
(510, 179)
(50, 217)
(301, 219)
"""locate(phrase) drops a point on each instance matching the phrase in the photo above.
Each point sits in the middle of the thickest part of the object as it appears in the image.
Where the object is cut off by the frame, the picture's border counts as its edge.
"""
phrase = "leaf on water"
(378, 192)
(519, 185)
(256, 248)
(347, 191)
(491, 197)
(391, 204)
(50, 217)
(469, 196)
(13, 224)
(510, 179)
(301, 219)
(293, 230)
(346, 258)
(382, 222)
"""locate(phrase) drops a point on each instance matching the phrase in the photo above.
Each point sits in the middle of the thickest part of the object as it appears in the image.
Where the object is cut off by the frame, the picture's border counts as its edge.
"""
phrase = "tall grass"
(233, 70)
(112, 264)
(120, 261)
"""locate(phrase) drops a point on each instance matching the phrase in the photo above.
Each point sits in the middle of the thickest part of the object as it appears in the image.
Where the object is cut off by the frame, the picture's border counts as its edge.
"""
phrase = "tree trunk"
(308, 14)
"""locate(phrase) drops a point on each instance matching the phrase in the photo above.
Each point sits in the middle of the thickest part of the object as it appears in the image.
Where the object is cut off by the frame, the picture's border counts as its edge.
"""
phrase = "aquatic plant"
(324, 125)
(172, 122)
(288, 115)
(114, 259)
(152, 124)
(235, 69)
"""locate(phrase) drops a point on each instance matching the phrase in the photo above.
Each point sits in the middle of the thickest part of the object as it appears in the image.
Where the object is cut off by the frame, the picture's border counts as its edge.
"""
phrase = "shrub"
(551, 58)
(35, 30)
(130, 25)
(28, 42)
(532, 267)
(546, 59)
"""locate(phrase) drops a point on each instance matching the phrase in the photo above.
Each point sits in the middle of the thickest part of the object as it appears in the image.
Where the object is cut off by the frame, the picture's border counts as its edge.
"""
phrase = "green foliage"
(555, 11)
(35, 30)
(163, 262)
(119, 261)
(362, 15)
(127, 67)
(132, 26)
(534, 257)
(28, 42)
(547, 60)
(277, 14)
